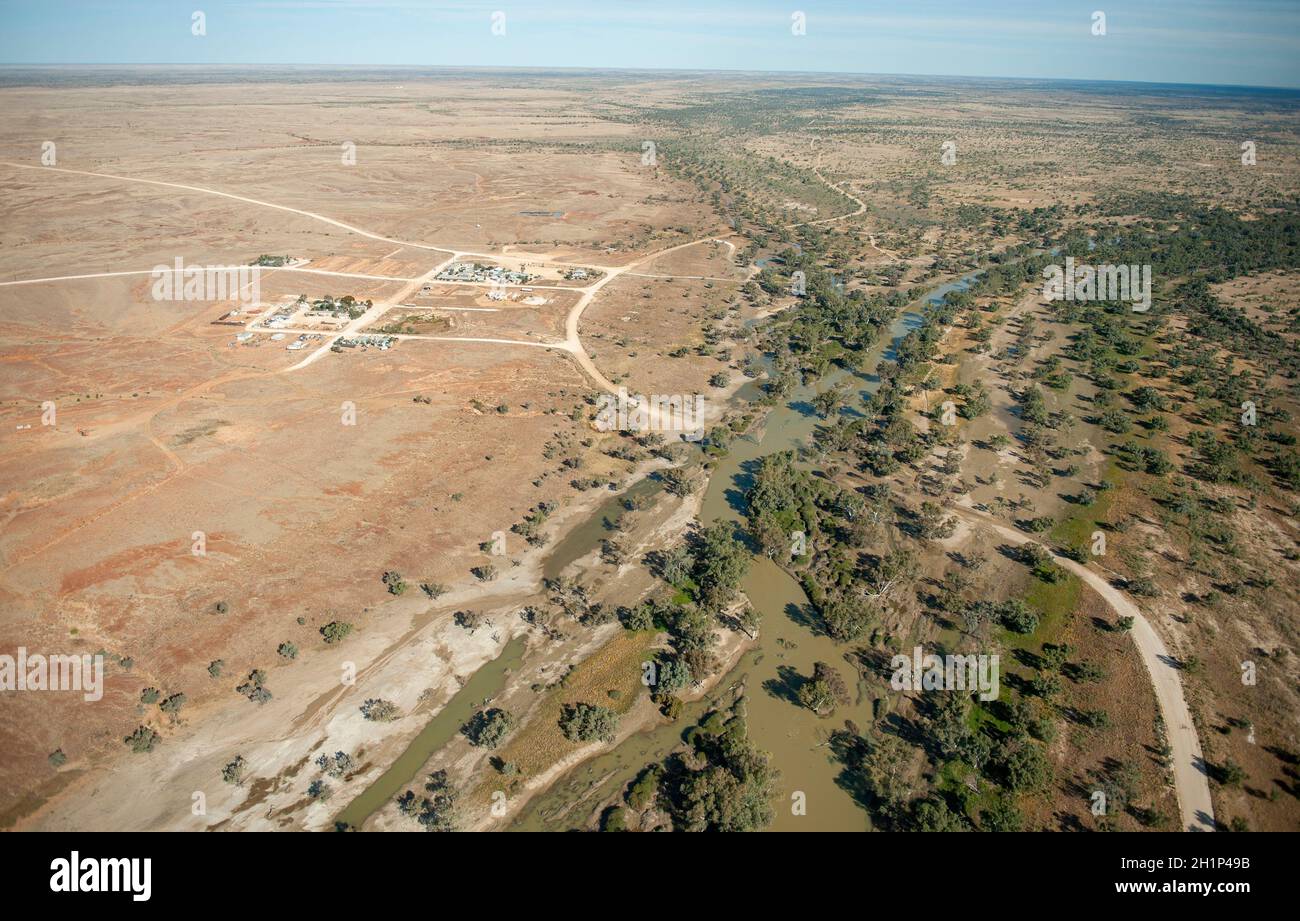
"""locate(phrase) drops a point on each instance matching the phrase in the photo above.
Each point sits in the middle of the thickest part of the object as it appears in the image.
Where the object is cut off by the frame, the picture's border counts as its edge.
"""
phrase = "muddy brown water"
(491, 678)
(587, 535)
(789, 644)
(485, 683)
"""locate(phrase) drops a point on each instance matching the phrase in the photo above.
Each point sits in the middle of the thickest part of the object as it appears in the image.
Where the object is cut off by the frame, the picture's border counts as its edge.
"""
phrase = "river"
(485, 683)
(787, 646)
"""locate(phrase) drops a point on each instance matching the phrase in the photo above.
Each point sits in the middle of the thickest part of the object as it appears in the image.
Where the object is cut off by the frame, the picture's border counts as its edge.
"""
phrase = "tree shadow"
(805, 615)
(785, 686)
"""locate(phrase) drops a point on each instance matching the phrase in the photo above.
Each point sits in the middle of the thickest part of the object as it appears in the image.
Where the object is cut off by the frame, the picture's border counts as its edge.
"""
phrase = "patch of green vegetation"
(1056, 601)
(951, 781)
(1079, 521)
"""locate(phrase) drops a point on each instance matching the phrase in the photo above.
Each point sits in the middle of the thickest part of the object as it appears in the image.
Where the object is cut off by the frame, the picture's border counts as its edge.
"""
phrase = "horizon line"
(666, 70)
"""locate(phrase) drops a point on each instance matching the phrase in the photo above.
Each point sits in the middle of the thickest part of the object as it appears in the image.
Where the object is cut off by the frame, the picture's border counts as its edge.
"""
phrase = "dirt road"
(1191, 780)
(268, 270)
(571, 344)
(574, 344)
(241, 198)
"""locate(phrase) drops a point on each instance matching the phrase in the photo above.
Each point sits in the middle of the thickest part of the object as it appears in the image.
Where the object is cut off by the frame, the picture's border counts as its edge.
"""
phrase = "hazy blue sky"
(1249, 42)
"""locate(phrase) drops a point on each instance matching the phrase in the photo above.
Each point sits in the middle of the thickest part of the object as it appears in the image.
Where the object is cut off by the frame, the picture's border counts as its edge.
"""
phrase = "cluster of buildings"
(249, 337)
(472, 271)
(383, 343)
(343, 308)
(280, 317)
(301, 341)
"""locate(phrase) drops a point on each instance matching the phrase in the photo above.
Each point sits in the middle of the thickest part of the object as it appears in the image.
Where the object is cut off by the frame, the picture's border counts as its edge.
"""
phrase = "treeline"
(1190, 248)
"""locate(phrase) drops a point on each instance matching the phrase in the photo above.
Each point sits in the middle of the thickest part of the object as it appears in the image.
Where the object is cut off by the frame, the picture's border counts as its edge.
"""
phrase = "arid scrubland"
(410, 489)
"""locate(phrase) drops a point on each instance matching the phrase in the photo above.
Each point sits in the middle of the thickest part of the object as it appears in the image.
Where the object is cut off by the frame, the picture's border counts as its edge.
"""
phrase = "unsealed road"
(1191, 779)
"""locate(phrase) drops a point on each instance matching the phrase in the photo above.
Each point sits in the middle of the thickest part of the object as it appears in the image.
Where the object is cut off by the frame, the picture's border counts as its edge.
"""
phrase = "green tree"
(335, 631)
(488, 728)
(583, 722)
(721, 562)
(142, 740)
(436, 811)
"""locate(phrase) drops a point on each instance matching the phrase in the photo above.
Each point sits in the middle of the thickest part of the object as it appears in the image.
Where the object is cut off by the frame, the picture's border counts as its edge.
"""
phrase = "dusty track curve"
(240, 198)
(1191, 780)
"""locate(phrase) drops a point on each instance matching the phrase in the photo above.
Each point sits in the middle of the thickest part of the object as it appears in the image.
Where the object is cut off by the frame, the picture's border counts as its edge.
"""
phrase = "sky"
(1232, 42)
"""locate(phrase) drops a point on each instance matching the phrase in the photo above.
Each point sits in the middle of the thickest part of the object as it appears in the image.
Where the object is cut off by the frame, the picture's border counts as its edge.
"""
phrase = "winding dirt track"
(862, 207)
(249, 201)
(1189, 769)
(574, 345)
(1191, 780)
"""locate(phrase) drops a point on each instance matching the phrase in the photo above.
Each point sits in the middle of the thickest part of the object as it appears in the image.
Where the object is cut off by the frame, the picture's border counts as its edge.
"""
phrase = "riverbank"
(406, 650)
(785, 648)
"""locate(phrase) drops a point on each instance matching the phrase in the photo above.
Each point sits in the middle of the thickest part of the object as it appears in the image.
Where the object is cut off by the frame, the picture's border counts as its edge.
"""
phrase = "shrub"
(583, 722)
(1016, 617)
(335, 765)
(1142, 586)
(378, 710)
(395, 583)
(469, 620)
(335, 631)
(1038, 525)
(233, 773)
(253, 687)
(488, 728)
(142, 740)
(1095, 719)
(172, 705)
(1228, 774)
